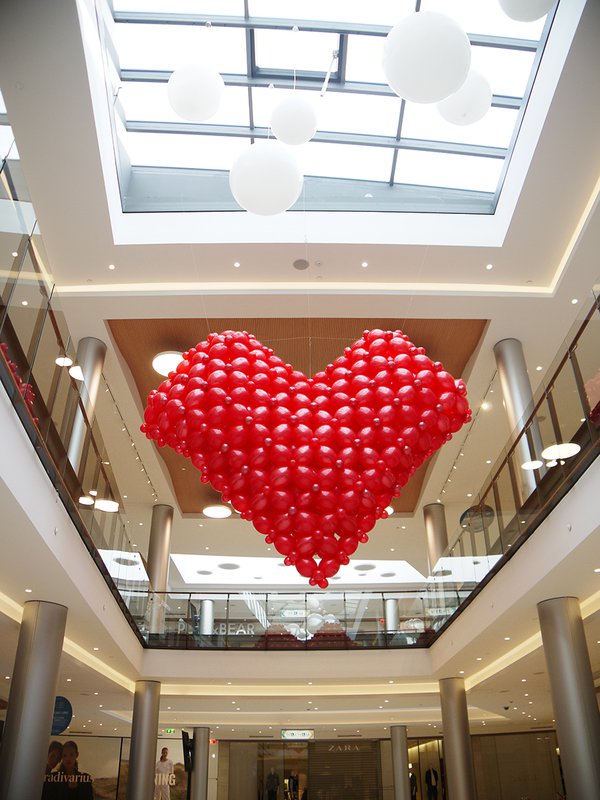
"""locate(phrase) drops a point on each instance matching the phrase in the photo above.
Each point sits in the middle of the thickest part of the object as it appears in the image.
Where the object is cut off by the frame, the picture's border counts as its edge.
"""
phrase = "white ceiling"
(548, 257)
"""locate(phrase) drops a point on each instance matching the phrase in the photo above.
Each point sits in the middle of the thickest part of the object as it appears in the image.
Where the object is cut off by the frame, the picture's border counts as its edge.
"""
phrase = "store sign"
(295, 734)
(293, 613)
(63, 714)
(234, 629)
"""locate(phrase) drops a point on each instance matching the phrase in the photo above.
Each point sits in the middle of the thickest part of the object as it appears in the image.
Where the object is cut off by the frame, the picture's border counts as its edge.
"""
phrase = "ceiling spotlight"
(14, 254)
(76, 372)
(217, 512)
(111, 266)
(530, 465)
(166, 362)
(365, 264)
(485, 405)
(489, 266)
(562, 450)
(63, 361)
(574, 301)
(539, 368)
(110, 506)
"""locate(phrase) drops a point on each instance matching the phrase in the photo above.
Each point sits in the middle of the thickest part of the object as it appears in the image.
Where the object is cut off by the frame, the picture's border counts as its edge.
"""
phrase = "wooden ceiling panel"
(308, 344)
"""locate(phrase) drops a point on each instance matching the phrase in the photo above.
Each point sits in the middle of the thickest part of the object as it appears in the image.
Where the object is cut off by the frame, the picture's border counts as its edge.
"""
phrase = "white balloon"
(526, 10)
(330, 619)
(313, 603)
(426, 57)
(314, 622)
(265, 178)
(294, 120)
(195, 91)
(470, 104)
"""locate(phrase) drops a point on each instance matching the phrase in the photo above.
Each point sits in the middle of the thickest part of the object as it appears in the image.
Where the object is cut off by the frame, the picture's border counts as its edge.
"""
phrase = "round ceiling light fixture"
(195, 91)
(166, 362)
(86, 500)
(526, 10)
(470, 103)
(217, 512)
(426, 57)
(63, 361)
(265, 178)
(76, 372)
(562, 450)
(294, 120)
(534, 464)
(109, 506)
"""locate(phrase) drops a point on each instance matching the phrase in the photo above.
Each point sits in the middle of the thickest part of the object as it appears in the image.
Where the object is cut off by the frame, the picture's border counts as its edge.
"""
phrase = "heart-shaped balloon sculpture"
(312, 462)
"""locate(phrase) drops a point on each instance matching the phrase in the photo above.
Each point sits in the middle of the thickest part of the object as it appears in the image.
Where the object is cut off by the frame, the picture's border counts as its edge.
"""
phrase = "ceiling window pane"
(506, 70)
(485, 16)
(165, 47)
(450, 171)
(181, 150)
(148, 101)
(2, 106)
(364, 57)
(229, 7)
(346, 161)
(375, 12)
(294, 50)
(423, 121)
(7, 145)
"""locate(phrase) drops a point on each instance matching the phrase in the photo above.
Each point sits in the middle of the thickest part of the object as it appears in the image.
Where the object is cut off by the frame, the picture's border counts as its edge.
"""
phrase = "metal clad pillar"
(199, 777)
(144, 734)
(159, 550)
(434, 515)
(518, 400)
(31, 700)
(90, 357)
(457, 740)
(573, 695)
(207, 617)
(400, 762)
(390, 614)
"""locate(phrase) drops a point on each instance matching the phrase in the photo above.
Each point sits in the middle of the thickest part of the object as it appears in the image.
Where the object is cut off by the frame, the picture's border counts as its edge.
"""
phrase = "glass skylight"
(267, 48)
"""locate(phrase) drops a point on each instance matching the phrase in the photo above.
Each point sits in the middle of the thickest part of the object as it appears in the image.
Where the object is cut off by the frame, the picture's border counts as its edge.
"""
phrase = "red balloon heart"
(312, 462)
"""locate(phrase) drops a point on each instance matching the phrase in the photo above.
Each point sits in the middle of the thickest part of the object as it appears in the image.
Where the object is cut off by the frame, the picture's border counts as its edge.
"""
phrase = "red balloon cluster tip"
(311, 462)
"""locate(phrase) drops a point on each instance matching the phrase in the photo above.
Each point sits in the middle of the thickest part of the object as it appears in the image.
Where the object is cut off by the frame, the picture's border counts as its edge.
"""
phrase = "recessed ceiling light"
(539, 368)
(530, 465)
(365, 264)
(96, 648)
(479, 658)
(489, 266)
(488, 461)
(29, 591)
(93, 492)
(236, 264)
(523, 680)
(24, 302)
(84, 500)
(69, 680)
(109, 506)
(63, 361)
(111, 266)
(507, 638)
(461, 672)
(562, 450)
(597, 569)
(469, 494)
(7, 677)
(368, 195)
(14, 254)
(217, 512)
(166, 362)
(574, 301)
(76, 372)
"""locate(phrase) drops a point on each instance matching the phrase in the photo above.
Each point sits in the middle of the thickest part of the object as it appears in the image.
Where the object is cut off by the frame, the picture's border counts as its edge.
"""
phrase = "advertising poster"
(170, 777)
(82, 768)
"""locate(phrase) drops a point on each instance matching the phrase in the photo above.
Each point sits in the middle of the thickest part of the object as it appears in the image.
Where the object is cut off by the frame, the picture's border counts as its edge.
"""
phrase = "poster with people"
(170, 777)
(82, 768)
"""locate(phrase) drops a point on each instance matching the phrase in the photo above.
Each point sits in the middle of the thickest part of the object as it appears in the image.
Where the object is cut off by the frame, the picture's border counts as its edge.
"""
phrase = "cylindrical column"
(207, 617)
(90, 357)
(144, 733)
(573, 695)
(434, 515)
(457, 740)
(199, 776)
(31, 700)
(390, 613)
(159, 550)
(518, 400)
(400, 762)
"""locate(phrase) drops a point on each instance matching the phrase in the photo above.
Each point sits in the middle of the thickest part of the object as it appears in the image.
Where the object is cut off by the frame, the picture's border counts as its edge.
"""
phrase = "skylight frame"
(451, 200)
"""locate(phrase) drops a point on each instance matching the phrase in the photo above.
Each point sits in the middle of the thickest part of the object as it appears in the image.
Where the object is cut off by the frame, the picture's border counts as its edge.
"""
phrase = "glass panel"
(568, 407)
(181, 150)
(6, 141)
(588, 359)
(2, 105)
(452, 171)
(378, 12)
(350, 161)
(149, 101)
(303, 51)
(164, 47)
(506, 70)
(233, 7)
(422, 121)
(364, 59)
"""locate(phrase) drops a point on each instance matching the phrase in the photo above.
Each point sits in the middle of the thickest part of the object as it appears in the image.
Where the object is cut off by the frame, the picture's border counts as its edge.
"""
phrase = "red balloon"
(312, 462)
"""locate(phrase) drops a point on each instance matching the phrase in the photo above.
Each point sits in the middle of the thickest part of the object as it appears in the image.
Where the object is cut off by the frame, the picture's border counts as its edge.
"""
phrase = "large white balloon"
(426, 57)
(313, 603)
(526, 10)
(265, 178)
(294, 120)
(195, 91)
(470, 104)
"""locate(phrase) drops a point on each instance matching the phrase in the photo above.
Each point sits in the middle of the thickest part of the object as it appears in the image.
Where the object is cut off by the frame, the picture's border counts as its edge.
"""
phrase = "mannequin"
(272, 784)
(432, 782)
(412, 780)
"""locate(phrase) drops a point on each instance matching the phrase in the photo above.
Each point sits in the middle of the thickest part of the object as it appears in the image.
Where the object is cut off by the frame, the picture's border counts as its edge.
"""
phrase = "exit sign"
(169, 730)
